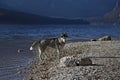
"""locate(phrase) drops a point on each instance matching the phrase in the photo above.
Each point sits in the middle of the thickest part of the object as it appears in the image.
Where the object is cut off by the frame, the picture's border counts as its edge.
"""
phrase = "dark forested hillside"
(14, 17)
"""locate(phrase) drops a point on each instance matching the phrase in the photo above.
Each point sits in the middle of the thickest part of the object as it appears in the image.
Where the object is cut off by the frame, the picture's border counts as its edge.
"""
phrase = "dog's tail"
(31, 48)
(34, 45)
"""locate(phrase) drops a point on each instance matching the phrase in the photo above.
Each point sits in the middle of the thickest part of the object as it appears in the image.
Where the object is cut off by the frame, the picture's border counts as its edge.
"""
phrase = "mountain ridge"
(15, 17)
(112, 17)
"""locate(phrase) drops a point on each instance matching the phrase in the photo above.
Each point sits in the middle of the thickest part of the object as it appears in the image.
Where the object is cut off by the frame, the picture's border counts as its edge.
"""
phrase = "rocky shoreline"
(94, 60)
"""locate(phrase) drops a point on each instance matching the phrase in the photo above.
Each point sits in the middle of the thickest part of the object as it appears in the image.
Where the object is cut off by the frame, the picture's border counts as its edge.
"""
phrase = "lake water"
(75, 32)
(13, 37)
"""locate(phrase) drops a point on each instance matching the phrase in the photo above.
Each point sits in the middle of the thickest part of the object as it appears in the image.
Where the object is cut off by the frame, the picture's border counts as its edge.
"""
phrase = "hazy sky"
(61, 8)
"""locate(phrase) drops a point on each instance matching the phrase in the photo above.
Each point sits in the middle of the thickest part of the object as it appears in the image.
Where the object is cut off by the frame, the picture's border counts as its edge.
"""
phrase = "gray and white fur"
(56, 43)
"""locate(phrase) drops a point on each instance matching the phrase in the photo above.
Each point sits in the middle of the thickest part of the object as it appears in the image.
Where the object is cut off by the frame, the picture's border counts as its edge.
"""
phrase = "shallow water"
(12, 62)
(14, 37)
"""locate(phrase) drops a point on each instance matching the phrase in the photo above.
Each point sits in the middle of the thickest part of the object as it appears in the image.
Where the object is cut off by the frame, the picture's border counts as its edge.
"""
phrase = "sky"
(61, 8)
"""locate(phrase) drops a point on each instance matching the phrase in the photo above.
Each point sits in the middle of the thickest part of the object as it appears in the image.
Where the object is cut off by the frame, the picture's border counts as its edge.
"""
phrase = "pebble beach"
(104, 57)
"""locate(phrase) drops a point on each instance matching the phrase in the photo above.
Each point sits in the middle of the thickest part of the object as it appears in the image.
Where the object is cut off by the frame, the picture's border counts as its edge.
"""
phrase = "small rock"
(62, 61)
(20, 50)
(31, 78)
(105, 38)
(85, 61)
(93, 40)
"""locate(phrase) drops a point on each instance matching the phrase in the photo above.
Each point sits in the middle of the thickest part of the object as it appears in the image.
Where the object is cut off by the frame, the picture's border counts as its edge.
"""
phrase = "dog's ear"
(64, 35)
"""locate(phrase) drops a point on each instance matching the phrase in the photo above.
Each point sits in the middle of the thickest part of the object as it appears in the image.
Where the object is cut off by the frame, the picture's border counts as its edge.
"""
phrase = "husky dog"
(56, 43)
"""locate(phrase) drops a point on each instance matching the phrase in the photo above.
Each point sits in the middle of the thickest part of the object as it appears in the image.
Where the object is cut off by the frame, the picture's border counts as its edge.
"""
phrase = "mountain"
(112, 17)
(61, 8)
(15, 17)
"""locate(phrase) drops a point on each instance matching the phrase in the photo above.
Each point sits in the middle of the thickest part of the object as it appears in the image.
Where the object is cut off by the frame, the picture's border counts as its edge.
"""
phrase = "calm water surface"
(81, 32)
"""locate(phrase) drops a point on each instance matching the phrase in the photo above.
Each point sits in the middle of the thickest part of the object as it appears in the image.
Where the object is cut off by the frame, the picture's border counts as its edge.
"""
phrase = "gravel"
(104, 58)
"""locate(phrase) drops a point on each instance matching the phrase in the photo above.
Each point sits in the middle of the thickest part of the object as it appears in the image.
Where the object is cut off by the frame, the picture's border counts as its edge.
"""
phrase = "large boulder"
(70, 61)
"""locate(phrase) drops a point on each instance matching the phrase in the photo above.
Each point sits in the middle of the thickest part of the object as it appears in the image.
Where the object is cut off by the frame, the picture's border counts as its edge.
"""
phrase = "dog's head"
(64, 36)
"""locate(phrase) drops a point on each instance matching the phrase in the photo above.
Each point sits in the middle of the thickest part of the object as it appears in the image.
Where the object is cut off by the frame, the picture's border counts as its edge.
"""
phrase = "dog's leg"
(39, 50)
(58, 55)
(36, 47)
(58, 52)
